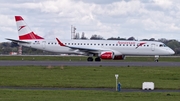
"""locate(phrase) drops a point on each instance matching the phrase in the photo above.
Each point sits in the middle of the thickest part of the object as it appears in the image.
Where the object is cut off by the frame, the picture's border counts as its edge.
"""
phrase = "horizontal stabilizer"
(17, 41)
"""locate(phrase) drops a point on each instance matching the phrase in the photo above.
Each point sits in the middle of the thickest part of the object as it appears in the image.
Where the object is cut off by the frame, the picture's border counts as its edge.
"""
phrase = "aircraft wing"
(17, 41)
(84, 49)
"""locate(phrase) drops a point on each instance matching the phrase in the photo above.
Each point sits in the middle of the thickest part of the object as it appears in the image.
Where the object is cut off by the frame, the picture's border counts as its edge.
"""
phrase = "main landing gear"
(156, 58)
(97, 59)
(89, 59)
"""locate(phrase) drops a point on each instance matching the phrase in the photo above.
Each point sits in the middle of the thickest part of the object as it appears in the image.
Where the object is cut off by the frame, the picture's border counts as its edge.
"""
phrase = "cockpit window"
(162, 45)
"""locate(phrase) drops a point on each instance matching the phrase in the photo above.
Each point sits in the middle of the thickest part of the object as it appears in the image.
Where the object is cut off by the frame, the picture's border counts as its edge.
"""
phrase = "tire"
(89, 59)
(97, 59)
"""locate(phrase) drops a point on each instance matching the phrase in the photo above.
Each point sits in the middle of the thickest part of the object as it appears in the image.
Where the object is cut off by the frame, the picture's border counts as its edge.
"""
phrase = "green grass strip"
(35, 95)
(83, 58)
(71, 76)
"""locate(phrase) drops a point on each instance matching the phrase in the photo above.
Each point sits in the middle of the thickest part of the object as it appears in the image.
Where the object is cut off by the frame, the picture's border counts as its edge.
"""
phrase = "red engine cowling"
(111, 55)
(119, 57)
(107, 55)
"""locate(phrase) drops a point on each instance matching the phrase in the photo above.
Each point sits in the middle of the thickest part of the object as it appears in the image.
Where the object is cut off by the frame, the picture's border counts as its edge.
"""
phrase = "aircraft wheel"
(89, 59)
(156, 60)
(97, 59)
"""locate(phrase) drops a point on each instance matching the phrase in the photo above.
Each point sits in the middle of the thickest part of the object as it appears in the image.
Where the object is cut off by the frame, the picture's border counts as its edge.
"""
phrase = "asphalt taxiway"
(85, 63)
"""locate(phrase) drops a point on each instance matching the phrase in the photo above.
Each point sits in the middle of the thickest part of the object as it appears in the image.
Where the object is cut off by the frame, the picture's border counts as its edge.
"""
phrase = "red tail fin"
(24, 31)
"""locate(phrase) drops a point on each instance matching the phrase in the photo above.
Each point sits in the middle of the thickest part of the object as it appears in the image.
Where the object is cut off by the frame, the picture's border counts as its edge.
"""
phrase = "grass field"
(34, 95)
(69, 76)
(83, 58)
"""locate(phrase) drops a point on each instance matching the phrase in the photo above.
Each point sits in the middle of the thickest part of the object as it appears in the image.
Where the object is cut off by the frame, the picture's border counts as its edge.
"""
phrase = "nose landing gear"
(156, 58)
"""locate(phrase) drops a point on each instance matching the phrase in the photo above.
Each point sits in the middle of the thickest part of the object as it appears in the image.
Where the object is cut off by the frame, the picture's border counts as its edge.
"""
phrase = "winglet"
(60, 43)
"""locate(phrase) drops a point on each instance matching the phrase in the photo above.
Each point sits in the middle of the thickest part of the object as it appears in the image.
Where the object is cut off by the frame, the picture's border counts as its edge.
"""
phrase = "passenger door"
(44, 44)
(152, 46)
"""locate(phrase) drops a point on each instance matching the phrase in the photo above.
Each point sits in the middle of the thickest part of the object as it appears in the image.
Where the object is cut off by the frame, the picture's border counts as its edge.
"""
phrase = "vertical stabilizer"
(24, 31)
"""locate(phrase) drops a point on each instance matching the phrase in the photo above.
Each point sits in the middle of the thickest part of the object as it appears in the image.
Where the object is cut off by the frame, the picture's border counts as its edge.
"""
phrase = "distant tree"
(152, 39)
(83, 36)
(118, 38)
(76, 36)
(131, 38)
(173, 44)
(144, 40)
(5, 44)
(96, 37)
(13, 44)
(163, 40)
(112, 38)
(123, 39)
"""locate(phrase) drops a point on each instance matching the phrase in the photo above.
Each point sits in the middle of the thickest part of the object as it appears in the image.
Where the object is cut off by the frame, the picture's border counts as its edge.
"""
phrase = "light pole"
(116, 76)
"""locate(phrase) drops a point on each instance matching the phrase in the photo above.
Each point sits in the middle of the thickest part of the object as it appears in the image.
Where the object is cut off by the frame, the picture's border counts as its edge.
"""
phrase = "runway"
(85, 63)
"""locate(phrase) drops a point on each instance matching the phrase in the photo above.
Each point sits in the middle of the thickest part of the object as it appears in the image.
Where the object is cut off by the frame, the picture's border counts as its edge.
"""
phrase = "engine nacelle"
(107, 55)
(119, 57)
(111, 55)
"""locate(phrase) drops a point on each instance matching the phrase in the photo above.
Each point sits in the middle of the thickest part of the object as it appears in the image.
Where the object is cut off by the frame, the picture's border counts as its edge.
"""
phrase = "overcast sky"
(143, 19)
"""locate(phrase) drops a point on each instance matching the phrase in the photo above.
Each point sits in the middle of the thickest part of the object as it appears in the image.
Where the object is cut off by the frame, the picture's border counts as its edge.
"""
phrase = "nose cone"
(171, 52)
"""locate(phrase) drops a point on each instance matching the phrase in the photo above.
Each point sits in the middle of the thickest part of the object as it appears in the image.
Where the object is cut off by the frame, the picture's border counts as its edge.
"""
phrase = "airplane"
(100, 49)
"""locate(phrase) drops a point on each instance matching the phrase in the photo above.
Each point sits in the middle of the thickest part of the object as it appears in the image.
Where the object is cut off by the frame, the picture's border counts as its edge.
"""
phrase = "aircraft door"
(152, 46)
(44, 44)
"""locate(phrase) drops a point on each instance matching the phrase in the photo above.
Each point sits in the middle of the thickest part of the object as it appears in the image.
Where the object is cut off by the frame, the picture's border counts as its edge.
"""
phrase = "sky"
(142, 19)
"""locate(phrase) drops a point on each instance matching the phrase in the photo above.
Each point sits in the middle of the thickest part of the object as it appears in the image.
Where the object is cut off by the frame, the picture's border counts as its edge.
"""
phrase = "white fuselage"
(120, 46)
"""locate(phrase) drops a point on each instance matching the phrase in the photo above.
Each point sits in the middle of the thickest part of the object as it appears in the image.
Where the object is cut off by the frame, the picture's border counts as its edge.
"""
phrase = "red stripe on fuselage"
(18, 18)
(29, 36)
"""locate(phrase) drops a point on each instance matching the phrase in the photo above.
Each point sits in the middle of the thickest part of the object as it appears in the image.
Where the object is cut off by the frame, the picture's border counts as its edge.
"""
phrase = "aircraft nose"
(171, 52)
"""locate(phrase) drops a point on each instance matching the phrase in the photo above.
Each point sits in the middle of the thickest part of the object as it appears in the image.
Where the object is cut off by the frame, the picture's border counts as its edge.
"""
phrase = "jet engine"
(112, 55)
